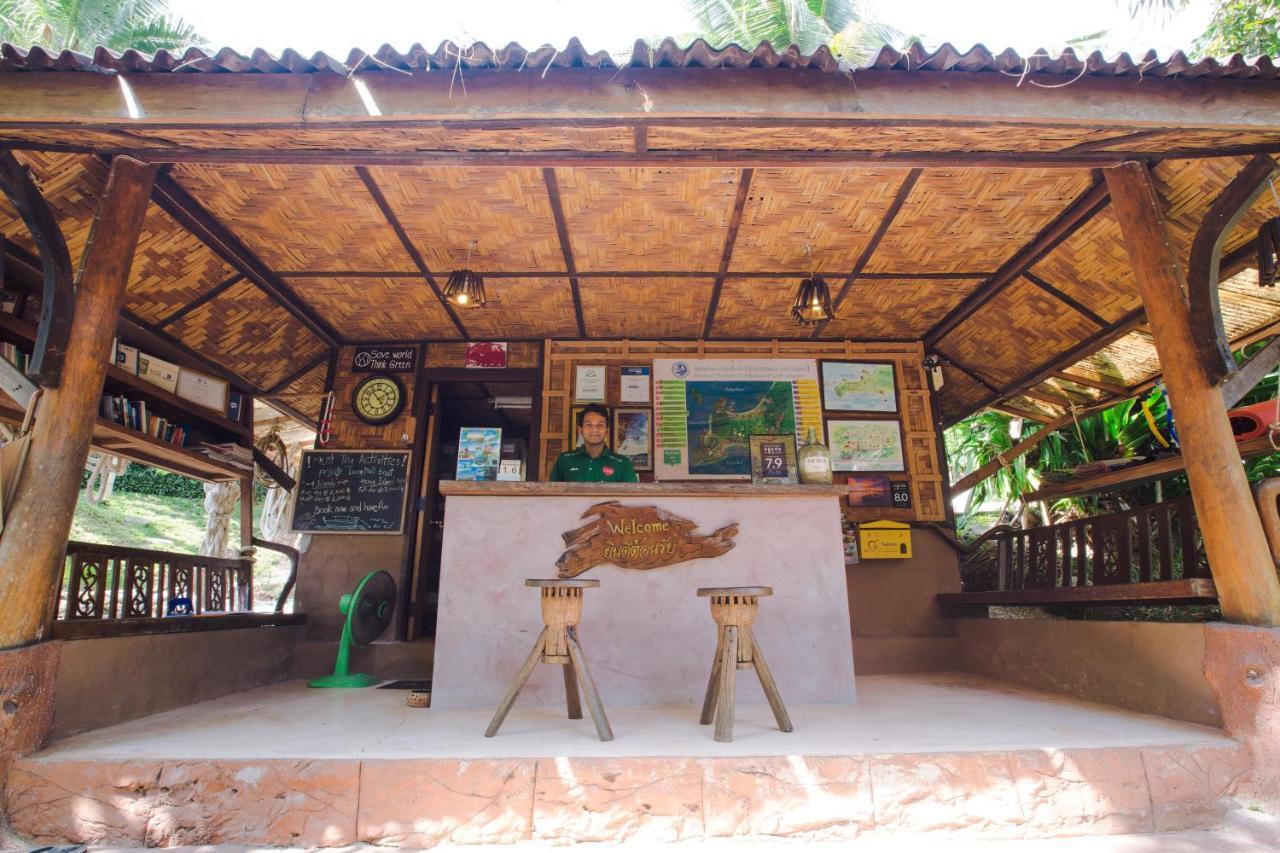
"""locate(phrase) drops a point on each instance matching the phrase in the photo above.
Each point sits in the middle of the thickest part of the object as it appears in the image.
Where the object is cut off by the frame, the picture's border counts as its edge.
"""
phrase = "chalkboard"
(351, 491)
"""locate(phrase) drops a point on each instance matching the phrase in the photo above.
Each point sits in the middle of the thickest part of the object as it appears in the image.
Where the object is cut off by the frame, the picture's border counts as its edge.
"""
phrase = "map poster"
(866, 446)
(857, 386)
(706, 410)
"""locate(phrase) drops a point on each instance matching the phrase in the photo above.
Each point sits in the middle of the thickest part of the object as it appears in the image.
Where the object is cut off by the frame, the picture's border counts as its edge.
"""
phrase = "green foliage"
(808, 24)
(82, 25)
(144, 480)
(1251, 27)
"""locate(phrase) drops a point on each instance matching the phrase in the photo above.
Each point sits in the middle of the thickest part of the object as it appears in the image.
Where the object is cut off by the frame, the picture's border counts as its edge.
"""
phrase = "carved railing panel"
(1160, 542)
(110, 582)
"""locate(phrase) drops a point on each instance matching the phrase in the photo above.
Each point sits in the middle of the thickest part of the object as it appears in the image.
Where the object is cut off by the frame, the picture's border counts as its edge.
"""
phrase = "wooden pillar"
(1239, 558)
(34, 541)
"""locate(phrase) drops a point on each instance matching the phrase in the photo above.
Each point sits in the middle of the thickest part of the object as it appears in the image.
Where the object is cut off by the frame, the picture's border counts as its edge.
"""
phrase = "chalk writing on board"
(351, 491)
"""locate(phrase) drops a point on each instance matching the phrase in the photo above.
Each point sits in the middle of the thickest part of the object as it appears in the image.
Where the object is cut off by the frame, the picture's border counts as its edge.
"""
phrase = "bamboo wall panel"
(757, 308)
(959, 394)
(72, 185)
(647, 219)
(519, 354)
(1245, 283)
(299, 218)
(306, 393)
(1183, 140)
(896, 309)
(437, 138)
(506, 211)
(1020, 329)
(914, 406)
(1127, 361)
(834, 210)
(377, 309)
(170, 268)
(1243, 312)
(644, 308)
(523, 308)
(1081, 395)
(101, 139)
(1092, 267)
(1038, 409)
(1189, 188)
(245, 331)
(878, 138)
(973, 219)
(349, 432)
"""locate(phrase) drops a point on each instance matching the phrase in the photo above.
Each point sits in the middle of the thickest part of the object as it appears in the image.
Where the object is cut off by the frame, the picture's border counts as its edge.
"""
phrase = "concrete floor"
(949, 712)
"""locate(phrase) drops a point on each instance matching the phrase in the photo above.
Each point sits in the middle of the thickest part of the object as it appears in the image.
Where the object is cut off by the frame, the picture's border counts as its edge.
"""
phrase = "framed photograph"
(870, 445)
(479, 451)
(870, 490)
(575, 440)
(859, 386)
(773, 458)
(633, 436)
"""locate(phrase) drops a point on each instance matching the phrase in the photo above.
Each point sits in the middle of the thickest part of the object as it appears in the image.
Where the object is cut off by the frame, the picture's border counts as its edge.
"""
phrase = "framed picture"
(479, 450)
(859, 386)
(773, 458)
(870, 445)
(633, 436)
(870, 490)
(575, 440)
(588, 385)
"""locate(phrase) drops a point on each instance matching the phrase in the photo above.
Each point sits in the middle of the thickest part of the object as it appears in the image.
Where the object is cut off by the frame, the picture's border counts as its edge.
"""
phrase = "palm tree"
(808, 24)
(82, 25)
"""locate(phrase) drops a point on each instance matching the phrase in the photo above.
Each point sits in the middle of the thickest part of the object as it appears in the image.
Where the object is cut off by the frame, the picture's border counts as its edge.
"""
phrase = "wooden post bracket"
(57, 308)
(1203, 275)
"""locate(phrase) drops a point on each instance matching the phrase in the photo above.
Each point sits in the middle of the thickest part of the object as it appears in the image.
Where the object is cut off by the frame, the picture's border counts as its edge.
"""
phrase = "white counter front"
(648, 638)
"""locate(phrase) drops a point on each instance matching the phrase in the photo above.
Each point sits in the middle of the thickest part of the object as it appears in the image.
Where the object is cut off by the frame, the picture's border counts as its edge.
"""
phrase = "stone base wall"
(26, 702)
(1152, 667)
(107, 681)
(1243, 666)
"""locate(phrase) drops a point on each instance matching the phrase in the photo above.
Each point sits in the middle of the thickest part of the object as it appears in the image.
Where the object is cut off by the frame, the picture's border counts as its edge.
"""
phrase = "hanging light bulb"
(813, 299)
(465, 288)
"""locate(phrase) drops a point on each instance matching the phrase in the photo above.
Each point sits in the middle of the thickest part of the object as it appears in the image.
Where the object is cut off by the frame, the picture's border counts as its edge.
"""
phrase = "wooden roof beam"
(726, 256)
(1080, 211)
(180, 204)
(379, 199)
(638, 94)
(566, 249)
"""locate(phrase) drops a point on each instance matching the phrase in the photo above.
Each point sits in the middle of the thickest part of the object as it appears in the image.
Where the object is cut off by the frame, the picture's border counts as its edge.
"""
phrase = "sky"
(336, 26)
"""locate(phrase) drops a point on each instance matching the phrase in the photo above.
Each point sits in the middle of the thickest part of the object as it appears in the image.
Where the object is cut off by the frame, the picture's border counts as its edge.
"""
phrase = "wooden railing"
(1149, 544)
(113, 582)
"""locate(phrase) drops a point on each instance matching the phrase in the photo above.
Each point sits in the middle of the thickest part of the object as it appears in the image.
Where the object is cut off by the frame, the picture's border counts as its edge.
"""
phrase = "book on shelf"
(133, 414)
(15, 356)
(228, 453)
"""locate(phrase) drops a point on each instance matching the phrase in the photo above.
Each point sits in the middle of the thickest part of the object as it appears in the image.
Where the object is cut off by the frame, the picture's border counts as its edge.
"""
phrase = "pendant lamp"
(465, 287)
(813, 299)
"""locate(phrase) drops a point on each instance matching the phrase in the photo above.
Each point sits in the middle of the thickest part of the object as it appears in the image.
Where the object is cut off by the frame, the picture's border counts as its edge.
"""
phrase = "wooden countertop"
(625, 490)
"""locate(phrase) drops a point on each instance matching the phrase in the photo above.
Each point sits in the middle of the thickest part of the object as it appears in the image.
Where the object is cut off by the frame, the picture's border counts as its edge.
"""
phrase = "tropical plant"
(1251, 27)
(840, 24)
(978, 440)
(85, 24)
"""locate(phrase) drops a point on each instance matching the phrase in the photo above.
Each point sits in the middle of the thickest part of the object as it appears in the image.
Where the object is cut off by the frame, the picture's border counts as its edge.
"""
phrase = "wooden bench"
(970, 605)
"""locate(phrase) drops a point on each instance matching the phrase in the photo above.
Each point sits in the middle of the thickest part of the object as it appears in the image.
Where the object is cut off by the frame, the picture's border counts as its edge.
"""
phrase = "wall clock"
(379, 399)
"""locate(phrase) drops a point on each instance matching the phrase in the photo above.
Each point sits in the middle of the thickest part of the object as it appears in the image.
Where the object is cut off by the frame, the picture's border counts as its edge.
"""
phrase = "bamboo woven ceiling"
(268, 245)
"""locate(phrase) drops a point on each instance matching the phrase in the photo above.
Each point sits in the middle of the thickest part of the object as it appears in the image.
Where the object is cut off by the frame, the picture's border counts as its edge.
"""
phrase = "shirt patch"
(608, 470)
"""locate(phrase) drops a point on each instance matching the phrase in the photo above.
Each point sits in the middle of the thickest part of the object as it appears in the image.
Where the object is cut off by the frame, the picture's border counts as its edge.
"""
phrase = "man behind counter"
(593, 462)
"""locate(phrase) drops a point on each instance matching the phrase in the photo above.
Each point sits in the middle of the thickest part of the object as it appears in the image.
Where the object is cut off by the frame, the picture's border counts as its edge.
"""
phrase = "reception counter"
(648, 638)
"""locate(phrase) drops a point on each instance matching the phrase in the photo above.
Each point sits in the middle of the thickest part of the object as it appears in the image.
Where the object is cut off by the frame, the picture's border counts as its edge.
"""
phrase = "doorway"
(501, 399)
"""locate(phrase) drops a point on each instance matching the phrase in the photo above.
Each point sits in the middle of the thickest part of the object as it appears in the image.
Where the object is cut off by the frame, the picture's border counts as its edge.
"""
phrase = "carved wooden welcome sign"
(638, 537)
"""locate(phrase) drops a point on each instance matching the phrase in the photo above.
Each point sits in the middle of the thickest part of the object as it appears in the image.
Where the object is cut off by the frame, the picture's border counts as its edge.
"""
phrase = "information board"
(351, 491)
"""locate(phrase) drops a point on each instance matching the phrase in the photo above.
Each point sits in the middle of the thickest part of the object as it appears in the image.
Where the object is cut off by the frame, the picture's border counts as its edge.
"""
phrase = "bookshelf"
(112, 437)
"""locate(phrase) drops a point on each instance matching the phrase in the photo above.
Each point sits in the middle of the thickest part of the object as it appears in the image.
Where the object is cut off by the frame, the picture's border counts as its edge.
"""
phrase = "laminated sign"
(884, 540)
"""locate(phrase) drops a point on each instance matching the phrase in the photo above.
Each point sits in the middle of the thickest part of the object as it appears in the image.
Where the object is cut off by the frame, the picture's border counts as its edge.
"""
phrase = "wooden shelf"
(1133, 475)
(186, 410)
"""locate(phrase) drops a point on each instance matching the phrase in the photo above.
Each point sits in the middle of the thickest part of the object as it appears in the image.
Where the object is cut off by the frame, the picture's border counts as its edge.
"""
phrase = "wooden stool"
(558, 643)
(734, 608)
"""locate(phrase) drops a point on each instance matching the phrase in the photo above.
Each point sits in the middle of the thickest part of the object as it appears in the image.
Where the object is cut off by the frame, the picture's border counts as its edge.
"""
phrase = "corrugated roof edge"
(668, 54)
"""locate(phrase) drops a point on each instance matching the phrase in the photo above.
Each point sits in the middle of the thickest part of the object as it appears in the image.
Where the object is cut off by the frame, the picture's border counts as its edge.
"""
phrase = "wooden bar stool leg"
(771, 689)
(504, 707)
(713, 684)
(728, 683)
(571, 692)
(594, 705)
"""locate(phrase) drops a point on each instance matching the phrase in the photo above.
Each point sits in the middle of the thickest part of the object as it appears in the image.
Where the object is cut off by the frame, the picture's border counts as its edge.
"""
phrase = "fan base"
(355, 679)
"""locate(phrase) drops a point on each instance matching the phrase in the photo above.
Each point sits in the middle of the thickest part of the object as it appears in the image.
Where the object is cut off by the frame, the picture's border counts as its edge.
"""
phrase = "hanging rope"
(103, 470)
(219, 504)
(277, 509)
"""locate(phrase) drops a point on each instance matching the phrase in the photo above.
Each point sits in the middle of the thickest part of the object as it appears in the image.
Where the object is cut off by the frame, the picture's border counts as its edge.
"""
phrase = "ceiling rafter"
(1087, 205)
(883, 276)
(562, 231)
(899, 199)
(293, 377)
(1048, 288)
(726, 256)
(206, 297)
(375, 192)
(208, 229)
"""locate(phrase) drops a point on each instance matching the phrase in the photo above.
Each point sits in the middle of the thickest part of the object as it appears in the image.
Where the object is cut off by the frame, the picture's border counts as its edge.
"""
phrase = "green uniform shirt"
(575, 466)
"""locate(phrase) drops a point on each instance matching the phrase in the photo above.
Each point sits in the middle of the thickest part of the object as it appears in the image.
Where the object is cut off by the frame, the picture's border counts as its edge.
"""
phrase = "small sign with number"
(901, 495)
(773, 458)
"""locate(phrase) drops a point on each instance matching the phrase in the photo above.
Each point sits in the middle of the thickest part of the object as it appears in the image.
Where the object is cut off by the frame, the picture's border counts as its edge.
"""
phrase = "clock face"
(378, 399)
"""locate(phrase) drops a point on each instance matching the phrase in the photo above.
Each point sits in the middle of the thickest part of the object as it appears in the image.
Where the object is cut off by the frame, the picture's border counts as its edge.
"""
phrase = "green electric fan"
(368, 611)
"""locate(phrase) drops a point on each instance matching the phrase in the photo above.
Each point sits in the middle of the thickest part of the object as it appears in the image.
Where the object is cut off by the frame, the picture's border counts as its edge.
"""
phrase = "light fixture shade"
(465, 289)
(813, 301)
